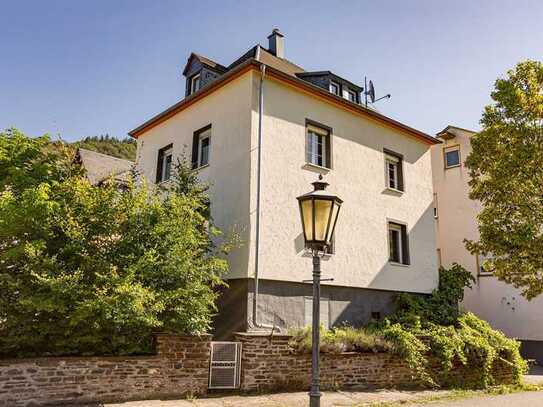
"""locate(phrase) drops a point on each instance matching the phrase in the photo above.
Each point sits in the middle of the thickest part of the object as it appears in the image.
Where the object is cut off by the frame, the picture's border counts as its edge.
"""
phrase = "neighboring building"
(500, 304)
(309, 123)
(101, 167)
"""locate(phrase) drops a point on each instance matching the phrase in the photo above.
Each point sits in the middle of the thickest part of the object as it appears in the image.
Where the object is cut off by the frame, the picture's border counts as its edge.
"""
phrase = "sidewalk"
(329, 399)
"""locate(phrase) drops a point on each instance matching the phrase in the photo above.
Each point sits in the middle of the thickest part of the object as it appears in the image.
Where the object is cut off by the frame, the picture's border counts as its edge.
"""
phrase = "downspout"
(256, 323)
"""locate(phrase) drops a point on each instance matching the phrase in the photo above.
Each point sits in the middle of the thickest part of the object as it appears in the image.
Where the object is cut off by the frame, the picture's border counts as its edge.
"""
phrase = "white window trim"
(349, 93)
(310, 144)
(204, 135)
(389, 159)
(337, 85)
(448, 150)
(165, 155)
(397, 228)
(192, 81)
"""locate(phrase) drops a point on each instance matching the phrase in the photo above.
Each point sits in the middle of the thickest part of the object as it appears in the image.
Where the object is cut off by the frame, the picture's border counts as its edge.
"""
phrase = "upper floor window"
(335, 88)
(452, 156)
(394, 170)
(201, 145)
(318, 146)
(195, 83)
(484, 266)
(164, 163)
(398, 243)
(351, 95)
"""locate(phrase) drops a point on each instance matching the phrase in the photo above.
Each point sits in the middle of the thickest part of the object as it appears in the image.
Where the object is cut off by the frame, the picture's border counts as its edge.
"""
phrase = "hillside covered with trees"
(106, 144)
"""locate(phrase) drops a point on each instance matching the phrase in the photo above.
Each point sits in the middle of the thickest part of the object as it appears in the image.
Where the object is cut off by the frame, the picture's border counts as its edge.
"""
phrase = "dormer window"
(335, 88)
(195, 83)
(351, 95)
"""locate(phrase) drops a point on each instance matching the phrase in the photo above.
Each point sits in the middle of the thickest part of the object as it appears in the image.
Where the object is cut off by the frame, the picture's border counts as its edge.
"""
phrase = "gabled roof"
(451, 131)
(100, 167)
(205, 61)
(261, 54)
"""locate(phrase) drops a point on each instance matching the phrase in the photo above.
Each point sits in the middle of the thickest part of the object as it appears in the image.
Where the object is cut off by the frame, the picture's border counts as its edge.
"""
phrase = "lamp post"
(319, 212)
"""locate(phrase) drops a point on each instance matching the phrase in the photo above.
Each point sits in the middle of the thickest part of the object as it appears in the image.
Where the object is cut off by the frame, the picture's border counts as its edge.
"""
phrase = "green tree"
(95, 270)
(506, 169)
(106, 144)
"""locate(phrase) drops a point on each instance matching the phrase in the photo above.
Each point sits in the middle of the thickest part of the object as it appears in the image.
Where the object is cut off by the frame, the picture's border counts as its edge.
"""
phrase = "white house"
(260, 130)
(500, 304)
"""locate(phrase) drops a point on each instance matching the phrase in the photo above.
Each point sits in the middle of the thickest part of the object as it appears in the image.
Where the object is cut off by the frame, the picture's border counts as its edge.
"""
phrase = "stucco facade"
(357, 175)
(500, 304)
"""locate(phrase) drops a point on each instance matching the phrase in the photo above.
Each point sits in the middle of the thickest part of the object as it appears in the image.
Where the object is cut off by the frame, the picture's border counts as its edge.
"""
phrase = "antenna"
(369, 90)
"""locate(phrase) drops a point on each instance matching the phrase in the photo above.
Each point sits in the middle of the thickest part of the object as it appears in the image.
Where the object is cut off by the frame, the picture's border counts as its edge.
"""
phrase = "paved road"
(528, 399)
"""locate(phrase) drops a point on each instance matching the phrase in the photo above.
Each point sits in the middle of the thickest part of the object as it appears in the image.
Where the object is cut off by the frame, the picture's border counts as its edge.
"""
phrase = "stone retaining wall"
(269, 365)
(180, 367)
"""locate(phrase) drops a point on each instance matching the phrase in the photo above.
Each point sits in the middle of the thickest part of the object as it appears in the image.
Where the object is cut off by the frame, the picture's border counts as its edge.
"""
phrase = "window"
(394, 170)
(398, 243)
(195, 83)
(452, 156)
(201, 146)
(351, 95)
(484, 267)
(318, 146)
(335, 88)
(164, 163)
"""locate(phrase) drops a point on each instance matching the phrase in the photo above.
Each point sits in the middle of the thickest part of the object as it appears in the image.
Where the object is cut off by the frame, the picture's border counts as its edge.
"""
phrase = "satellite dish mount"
(369, 90)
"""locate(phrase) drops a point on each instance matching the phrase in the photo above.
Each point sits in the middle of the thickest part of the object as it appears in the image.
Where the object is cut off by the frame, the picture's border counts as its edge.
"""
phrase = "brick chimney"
(276, 42)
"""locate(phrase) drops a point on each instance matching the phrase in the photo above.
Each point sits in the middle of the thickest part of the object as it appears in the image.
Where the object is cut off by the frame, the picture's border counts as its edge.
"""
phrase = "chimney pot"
(276, 42)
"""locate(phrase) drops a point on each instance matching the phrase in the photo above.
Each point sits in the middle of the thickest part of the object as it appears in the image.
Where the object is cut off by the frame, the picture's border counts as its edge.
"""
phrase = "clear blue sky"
(80, 68)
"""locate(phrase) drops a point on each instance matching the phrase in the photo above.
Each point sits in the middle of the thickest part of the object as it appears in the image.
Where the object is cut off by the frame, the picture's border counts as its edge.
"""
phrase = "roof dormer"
(199, 71)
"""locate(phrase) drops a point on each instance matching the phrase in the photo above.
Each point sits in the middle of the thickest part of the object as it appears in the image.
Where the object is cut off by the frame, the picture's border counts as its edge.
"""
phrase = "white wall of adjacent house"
(357, 175)
(500, 304)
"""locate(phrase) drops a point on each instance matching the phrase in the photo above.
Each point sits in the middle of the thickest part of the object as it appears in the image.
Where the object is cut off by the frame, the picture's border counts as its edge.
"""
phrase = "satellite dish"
(371, 92)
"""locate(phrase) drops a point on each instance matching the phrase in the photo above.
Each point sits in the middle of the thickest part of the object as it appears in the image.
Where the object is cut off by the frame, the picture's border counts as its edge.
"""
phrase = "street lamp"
(319, 212)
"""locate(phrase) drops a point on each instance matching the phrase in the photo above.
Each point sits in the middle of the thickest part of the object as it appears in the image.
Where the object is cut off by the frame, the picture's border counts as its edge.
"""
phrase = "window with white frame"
(452, 156)
(201, 147)
(398, 243)
(164, 163)
(195, 83)
(318, 146)
(335, 88)
(351, 95)
(394, 170)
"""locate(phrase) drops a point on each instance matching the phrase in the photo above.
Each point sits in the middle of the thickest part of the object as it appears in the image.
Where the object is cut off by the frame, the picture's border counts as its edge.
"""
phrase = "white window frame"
(193, 80)
(165, 155)
(338, 87)
(351, 93)
(391, 226)
(313, 133)
(201, 137)
(396, 162)
(450, 149)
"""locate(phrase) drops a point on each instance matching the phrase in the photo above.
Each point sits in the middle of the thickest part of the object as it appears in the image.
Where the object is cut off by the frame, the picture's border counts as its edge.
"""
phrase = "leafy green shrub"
(95, 270)
(430, 327)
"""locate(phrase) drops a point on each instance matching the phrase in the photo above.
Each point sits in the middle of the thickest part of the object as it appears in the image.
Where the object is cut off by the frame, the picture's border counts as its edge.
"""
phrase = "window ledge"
(453, 166)
(393, 263)
(200, 168)
(316, 168)
(394, 191)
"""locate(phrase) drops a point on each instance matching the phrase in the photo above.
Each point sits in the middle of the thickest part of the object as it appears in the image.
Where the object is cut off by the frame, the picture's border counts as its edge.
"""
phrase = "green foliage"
(430, 327)
(105, 144)
(506, 173)
(95, 270)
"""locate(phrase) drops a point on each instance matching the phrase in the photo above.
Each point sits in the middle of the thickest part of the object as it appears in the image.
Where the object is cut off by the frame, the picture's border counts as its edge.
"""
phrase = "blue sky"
(81, 68)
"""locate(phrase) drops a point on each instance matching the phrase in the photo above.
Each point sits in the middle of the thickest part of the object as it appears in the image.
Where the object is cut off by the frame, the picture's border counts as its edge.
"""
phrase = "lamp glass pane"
(335, 211)
(307, 213)
(322, 214)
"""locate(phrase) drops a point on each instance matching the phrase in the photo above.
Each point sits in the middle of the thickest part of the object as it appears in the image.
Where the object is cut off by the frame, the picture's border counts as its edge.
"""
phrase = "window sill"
(316, 168)
(393, 263)
(452, 166)
(485, 274)
(200, 167)
(394, 191)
